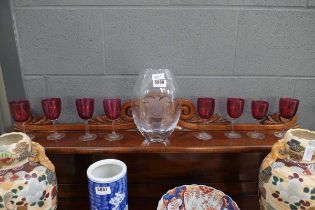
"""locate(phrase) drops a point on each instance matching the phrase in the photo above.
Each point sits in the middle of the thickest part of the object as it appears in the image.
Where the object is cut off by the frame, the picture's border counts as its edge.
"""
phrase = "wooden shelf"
(133, 142)
(230, 165)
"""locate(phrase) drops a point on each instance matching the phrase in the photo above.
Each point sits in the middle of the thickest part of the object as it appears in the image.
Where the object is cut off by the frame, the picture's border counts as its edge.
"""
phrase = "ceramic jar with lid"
(287, 174)
(27, 177)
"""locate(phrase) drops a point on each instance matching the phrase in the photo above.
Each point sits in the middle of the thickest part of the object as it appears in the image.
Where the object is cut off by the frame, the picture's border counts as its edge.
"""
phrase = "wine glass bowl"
(235, 107)
(112, 107)
(21, 112)
(85, 109)
(259, 111)
(52, 110)
(205, 109)
(287, 109)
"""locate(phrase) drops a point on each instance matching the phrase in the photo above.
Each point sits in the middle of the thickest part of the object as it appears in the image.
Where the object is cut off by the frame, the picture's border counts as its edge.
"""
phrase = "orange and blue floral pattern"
(196, 197)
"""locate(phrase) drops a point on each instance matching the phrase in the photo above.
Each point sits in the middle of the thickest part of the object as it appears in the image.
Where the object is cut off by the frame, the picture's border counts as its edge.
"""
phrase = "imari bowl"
(196, 197)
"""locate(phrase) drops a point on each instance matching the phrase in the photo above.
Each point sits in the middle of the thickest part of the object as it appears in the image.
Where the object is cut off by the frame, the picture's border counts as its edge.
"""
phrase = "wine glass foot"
(88, 137)
(233, 135)
(279, 134)
(114, 136)
(31, 136)
(256, 135)
(56, 136)
(203, 136)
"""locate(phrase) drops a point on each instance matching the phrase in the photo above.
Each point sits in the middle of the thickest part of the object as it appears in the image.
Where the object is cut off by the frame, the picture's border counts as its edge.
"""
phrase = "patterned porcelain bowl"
(14, 148)
(196, 197)
(296, 143)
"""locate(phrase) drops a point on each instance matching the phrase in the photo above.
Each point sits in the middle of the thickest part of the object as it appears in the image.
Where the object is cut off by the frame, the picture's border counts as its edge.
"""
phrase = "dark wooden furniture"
(228, 165)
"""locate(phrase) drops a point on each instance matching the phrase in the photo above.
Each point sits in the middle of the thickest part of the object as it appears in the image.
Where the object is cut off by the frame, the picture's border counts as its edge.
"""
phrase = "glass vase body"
(156, 107)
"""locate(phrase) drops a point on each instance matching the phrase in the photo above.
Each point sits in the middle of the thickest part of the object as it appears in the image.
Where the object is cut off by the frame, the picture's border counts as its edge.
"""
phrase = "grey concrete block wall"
(60, 41)
(241, 2)
(248, 48)
(276, 43)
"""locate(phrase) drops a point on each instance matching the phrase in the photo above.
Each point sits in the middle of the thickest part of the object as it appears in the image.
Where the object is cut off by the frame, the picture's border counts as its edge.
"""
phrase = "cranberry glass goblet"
(52, 109)
(112, 108)
(235, 107)
(205, 109)
(20, 112)
(259, 110)
(287, 109)
(85, 109)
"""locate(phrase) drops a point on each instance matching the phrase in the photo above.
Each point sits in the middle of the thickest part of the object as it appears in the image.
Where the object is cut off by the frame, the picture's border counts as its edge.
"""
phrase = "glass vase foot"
(88, 137)
(256, 135)
(147, 142)
(233, 135)
(203, 136)
(55, 136)
(114, 136)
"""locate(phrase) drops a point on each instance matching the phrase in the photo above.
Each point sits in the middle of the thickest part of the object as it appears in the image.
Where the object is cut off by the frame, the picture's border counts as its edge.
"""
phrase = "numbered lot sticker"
(159, 83)
(308, 154)
(102, 190)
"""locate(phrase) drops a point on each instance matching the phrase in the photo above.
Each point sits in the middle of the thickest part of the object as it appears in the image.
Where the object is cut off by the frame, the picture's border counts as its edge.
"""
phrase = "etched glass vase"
(156, 107)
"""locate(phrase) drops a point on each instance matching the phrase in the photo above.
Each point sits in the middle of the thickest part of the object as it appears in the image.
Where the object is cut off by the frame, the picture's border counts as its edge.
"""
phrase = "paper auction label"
(308, 154)
(102, 190)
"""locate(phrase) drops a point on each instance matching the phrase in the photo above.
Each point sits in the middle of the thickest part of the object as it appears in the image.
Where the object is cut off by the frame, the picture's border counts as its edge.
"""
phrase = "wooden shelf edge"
(159, 150)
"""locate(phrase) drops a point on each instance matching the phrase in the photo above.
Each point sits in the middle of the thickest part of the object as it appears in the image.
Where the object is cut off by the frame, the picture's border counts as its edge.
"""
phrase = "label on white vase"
(308, 154)
(102, 190)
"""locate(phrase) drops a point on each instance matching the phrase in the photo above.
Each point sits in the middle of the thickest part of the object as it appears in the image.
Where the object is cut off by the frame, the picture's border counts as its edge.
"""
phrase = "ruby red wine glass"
(52, 109)
(85, 109)
(205, 109)
(259, 110)
(112, 108)
(287, 109)
(21, 112)
(235, 107)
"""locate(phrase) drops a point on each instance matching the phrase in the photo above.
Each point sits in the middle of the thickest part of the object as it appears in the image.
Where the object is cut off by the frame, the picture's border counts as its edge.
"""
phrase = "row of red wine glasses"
(20, 111)
(235, 106)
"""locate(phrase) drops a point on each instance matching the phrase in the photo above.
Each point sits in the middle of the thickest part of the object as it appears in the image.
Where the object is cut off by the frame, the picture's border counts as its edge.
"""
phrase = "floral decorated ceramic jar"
(27, 177)
(287, 174)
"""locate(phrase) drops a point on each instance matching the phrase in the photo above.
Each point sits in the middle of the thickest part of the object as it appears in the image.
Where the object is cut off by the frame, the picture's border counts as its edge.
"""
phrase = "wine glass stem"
(205, 122)
(113, 132)
(86, 122)
(23, 127)
(256, 129)
(232, 125)
(54, 125)
(283, 128)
